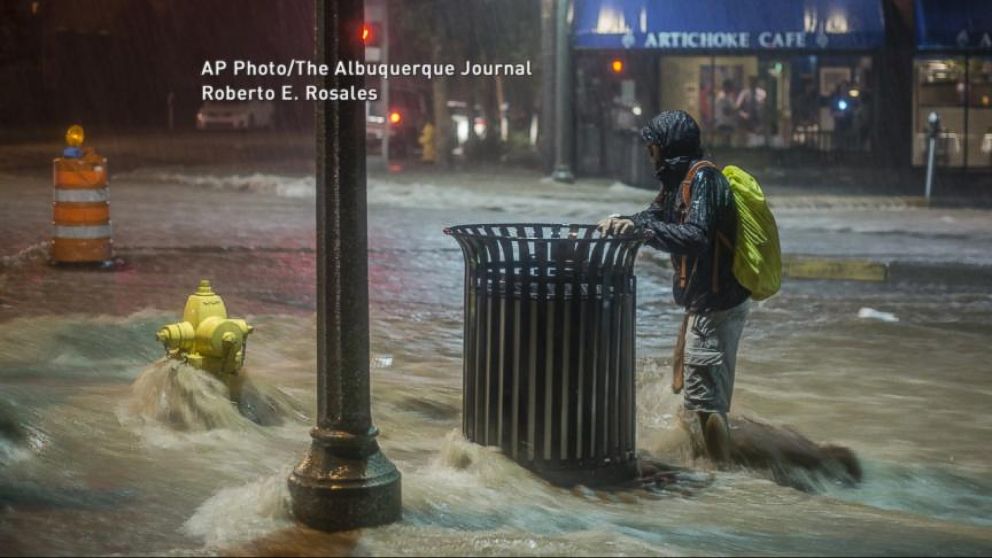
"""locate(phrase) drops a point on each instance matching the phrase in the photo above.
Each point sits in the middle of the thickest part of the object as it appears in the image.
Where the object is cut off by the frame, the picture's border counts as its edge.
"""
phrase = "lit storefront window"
(940, 87)
(980, 112)
(759, 76)
(781, 64)
(953, 77)
(814, 102)
(959, 90)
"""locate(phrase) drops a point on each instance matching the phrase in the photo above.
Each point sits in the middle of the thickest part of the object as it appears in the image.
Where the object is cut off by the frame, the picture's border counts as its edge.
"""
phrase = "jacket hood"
(676, 133)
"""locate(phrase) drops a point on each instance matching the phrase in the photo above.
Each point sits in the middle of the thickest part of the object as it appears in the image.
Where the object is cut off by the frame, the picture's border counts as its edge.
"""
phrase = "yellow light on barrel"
(74, 136)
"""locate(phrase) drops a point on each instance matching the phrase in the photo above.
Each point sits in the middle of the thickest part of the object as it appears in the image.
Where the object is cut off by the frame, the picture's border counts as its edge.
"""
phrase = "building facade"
(952, 76)
(783, 82)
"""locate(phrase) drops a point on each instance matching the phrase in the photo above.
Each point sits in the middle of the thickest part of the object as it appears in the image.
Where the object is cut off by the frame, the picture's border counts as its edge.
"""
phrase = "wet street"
(896, 370)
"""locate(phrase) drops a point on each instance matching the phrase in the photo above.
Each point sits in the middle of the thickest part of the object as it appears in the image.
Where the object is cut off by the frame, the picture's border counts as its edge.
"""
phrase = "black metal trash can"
(549, 347)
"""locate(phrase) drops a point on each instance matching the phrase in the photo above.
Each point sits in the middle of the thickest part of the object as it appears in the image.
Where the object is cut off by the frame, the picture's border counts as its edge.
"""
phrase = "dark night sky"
(115, 61)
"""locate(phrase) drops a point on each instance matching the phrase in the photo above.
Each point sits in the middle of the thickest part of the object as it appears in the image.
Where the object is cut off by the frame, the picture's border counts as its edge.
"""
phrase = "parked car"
(405, 117)
(460, 121)
(407, 114)
(235, 115)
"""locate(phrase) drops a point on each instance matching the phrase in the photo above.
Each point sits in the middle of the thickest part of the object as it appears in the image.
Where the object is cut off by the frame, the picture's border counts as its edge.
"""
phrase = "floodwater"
(106, 449)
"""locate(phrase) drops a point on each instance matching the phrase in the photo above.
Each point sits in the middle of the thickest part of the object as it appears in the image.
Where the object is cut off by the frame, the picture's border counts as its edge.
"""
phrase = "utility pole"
(344, 481)
(564, 139)
(385, 82)
(377, 11)
(546, 121)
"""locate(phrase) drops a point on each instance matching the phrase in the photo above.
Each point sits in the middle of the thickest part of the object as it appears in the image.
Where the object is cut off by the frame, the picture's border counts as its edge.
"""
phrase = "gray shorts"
(711, 358)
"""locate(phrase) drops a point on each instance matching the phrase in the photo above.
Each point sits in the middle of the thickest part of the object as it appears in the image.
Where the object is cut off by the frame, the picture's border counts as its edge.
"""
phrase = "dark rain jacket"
(709, 282)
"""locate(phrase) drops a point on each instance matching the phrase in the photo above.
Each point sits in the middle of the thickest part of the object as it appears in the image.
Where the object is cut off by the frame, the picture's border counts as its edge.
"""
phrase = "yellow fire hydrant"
(206, 338)
(426, 141)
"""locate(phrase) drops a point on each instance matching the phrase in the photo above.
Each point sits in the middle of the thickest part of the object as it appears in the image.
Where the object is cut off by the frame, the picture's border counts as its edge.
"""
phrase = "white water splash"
(872, 314)
(36, 251)
(172, 403)
(283, 186)
(580, 207)
(242, 513)
(12, 452)
(184, 398)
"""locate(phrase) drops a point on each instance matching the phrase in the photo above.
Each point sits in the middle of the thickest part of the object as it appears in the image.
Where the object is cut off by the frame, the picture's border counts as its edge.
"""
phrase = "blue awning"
(739, 25)
(954, 25)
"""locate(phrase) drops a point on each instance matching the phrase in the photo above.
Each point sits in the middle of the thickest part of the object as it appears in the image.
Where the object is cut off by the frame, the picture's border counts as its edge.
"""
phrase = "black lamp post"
(563, 91)
(344, 481)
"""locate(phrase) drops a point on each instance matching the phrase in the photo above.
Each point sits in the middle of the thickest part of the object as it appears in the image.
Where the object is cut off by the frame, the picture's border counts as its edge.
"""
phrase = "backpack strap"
(687, 186)
(683, 212)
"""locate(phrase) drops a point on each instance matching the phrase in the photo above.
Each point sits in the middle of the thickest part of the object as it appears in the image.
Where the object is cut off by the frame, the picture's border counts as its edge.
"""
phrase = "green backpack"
(757, 255)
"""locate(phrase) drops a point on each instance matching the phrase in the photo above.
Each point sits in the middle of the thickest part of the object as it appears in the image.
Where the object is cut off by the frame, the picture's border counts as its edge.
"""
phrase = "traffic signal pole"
(344, 481)
(378, 11)
(564, 136)
(385, 82)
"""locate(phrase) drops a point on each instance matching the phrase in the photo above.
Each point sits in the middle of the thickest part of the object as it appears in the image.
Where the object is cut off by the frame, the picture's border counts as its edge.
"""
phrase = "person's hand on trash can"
(615, 225)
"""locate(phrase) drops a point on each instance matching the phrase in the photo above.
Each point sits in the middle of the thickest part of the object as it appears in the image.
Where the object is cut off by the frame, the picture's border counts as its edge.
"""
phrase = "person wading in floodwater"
(700, 236)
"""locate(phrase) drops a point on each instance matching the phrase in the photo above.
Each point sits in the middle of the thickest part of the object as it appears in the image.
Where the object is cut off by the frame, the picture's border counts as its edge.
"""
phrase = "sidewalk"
(125, 151)
(829, 236)
(867, 186)
(159, 197)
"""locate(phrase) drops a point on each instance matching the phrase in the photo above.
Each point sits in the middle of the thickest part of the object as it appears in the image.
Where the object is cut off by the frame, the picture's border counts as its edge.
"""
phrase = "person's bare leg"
(716, 436)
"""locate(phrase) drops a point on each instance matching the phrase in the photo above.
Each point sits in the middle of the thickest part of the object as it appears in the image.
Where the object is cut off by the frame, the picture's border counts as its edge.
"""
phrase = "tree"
(452, 31)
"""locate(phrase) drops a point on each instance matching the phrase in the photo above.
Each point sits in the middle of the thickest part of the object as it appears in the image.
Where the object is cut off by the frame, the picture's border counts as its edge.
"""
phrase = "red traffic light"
(395, 117)
(370, 34)
(616, 66)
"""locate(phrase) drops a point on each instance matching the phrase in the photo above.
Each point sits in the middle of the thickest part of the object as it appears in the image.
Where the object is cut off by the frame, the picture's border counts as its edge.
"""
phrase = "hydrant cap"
(202, 304)
(204, 288)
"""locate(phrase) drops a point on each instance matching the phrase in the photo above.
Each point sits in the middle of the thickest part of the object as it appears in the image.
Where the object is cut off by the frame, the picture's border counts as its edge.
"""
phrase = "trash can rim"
(464, 230)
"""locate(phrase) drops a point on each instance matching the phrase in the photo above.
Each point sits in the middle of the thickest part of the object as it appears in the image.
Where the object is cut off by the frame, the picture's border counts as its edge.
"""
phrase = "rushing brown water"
(106, 449)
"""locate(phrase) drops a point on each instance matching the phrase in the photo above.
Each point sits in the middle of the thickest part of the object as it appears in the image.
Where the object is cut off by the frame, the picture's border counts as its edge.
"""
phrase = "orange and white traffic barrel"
(81, 228)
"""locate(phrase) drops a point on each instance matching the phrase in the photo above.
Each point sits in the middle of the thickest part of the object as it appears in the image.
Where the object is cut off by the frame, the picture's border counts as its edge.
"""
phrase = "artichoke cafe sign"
(977, 40)
(724, 39)
(731, 26)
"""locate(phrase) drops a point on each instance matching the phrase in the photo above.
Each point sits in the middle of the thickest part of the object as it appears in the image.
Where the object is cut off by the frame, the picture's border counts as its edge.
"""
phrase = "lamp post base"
(563, 174)
(341, 490)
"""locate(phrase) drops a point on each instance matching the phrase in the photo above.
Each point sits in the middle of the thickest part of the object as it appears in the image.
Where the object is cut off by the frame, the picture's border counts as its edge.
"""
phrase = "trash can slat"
(540, 371)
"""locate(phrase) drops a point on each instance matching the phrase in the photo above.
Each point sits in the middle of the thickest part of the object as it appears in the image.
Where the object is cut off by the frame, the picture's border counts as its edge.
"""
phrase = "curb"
(842, 269)
(847, 202)
(837, 268)
(786, 201)
(859, 269)
(950, 273)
